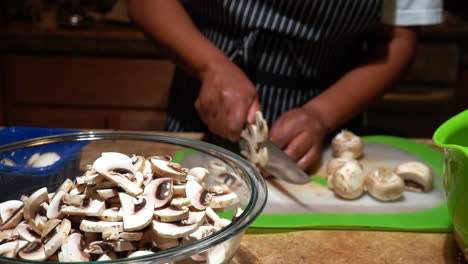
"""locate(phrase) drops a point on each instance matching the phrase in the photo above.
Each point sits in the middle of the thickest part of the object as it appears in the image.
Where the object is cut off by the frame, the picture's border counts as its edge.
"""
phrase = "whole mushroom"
(346, 143)
(385, 185)
(416, 175)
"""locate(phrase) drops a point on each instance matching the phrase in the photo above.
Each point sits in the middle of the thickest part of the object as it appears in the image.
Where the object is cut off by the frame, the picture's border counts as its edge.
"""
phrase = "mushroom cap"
(137, 213)
(199, 197)
(416, 175)
(334, 164)
(32, 204)
(348, 181)
(8, 209)
(347, 141)
(160, 191)
(384, 184)
(73, 249)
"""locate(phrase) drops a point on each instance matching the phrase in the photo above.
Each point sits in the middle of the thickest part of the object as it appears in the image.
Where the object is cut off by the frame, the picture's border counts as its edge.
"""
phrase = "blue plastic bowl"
(51, 176)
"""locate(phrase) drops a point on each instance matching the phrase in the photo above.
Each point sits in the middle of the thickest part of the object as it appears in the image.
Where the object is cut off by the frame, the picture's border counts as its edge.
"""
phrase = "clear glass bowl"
(77, 150)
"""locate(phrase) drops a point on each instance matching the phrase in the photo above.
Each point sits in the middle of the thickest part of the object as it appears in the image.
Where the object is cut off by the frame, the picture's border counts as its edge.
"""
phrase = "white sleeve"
(412, 12)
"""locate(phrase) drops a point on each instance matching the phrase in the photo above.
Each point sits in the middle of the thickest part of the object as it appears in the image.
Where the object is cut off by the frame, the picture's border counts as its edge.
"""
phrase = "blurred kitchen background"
(82, 64)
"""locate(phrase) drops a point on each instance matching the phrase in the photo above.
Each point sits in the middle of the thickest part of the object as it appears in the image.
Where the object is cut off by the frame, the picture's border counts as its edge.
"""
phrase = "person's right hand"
(227, 99)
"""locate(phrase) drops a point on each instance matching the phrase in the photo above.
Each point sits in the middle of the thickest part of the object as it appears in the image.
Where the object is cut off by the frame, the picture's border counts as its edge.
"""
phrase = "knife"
(280, 165)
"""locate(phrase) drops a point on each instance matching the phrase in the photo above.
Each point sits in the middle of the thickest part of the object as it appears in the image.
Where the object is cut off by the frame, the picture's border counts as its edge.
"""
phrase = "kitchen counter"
(344, 246)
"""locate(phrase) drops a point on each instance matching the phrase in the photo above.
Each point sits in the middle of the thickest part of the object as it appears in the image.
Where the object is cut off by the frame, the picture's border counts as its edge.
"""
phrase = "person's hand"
(227, 100)
(300, 133)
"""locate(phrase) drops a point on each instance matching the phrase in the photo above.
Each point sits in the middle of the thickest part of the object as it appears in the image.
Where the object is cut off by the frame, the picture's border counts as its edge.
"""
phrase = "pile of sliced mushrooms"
(120, 207)
(347, 179)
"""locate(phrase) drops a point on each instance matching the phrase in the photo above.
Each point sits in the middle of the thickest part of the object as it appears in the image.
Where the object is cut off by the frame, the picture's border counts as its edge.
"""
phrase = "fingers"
(254, 107)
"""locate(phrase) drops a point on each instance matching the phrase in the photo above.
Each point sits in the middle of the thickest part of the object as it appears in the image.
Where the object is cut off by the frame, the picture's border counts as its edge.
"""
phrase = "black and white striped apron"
(291, 49)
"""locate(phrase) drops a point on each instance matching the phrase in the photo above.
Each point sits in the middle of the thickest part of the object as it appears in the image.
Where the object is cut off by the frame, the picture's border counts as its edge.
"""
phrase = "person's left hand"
(300, 134)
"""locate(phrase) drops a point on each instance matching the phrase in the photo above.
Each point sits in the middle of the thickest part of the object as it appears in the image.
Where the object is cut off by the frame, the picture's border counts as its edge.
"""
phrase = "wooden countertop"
(345, 246)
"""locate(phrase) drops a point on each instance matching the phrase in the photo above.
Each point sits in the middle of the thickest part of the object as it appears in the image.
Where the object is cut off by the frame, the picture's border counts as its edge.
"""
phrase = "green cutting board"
(314, 206)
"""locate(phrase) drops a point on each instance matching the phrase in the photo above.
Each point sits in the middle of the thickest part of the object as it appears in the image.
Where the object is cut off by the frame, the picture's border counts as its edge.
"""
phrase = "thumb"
(254, 107)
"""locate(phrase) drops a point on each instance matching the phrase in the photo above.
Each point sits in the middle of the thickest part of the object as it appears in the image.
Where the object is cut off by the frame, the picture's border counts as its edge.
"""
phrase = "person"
(309, 65)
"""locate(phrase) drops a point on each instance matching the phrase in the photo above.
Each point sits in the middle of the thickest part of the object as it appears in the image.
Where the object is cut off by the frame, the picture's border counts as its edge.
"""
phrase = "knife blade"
(280, 165)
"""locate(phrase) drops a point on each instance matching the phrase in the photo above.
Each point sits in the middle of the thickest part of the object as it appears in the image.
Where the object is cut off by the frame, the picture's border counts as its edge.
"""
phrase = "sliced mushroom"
(181, 228)
(179, 190)
(201, 232)
(25, 232)
(71, 199)
(384, 184)
(139, 253)
(160, 190)
(66, 186)
(347, 141)
(73, 249)
(100, 226)
(199, 197)
(137, 213)
(222, 196)
(32, 159)
(8, 209)
(91, 178)
(122, 245)
(198, 173)
(228, 179)
(180, 202)
(416, 175)
(118, 169)
(33, 251)
(126, 236)
(33, 203)
(348, 181)
(10, 249)
(7, 161)
(13, 221)
(7, 235)
(53, 211)
(171, 214)
(113, 214)
(45, 159)
(89, 207)
(107, 256)
(107, 193)
(100, 247)
(169, 169)
(49, 226)
(54, 240)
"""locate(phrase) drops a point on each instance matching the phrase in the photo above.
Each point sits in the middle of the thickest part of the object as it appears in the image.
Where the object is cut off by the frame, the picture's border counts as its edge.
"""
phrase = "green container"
(453, 137)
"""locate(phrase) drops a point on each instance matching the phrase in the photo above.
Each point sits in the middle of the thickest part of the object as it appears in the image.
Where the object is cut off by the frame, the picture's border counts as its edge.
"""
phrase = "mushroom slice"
(7, 161)
(32, 159)
(32, 204)
(89, 207)
(140, 253)
(49, 226)
(416, 175)
(71, 199)
(127, 236)
(118, 169)
(105, 185)
(181, 228)
(107, 193)
(347, 141)
(25, 232)
(137, 212)
(107, 256)
(13, 221)
(160, 190)
(171, 214)
(122, 245)
(66, 186)
(384, 184)
(228, 179)
(181, 202)
(92, 178)
(169, 169)
(348, 181)
(100, 226)
(33, 251)
(73, 249)
(222, 196)
(113, 214)
(199, 197)
(10, 249)
(7, 235)
(201, 232)
(56, 205)
(45, 159)
(198, 173)
(8, 209)
(54, 240)
(179, 190)
(100, 247)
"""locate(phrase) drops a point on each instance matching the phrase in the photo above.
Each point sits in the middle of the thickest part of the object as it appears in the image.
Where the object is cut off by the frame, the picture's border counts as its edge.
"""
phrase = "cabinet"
(86, 92)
